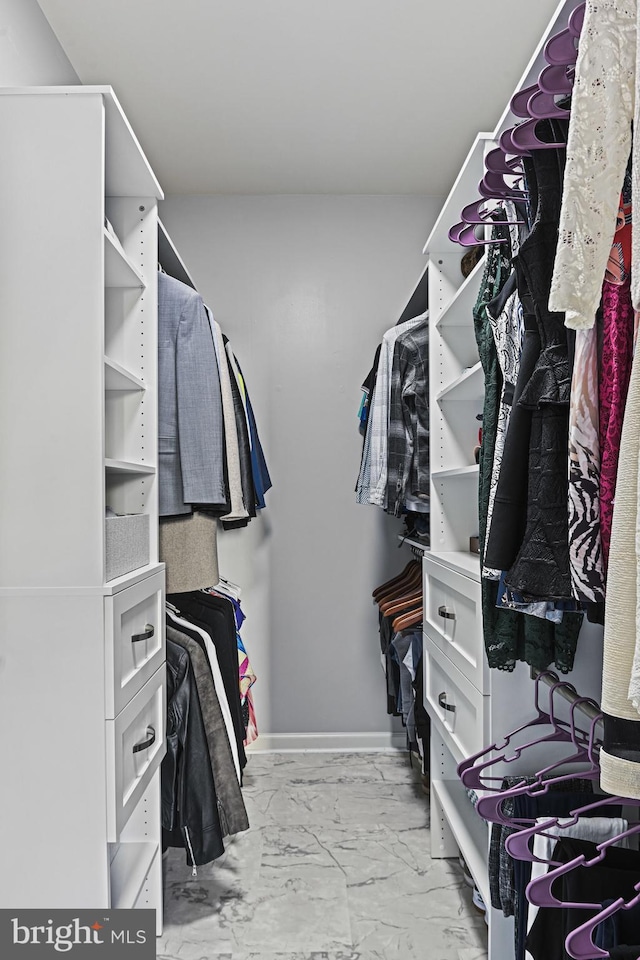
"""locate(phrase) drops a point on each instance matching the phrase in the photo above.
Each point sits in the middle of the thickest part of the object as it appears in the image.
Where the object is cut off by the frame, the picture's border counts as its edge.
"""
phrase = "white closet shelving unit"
(82, 657)
(469, 705)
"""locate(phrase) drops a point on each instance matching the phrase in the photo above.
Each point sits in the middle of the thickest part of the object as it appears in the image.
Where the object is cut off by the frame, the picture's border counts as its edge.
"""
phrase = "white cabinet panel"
(458, 709)
(134, 640)
(452, 612)
(135, 748)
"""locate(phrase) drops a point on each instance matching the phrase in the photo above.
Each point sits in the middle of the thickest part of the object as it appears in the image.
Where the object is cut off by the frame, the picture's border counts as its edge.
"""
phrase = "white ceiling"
(304, 96)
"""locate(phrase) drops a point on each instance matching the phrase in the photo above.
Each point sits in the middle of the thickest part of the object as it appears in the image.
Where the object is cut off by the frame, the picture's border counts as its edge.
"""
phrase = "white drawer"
(135, 748)
(453, 620)
(134, 640)
(458, 709)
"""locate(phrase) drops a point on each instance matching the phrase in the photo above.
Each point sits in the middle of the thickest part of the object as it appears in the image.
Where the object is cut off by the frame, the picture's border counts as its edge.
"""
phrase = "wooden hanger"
(409, 584)
(402, 603)
(391, 583)
(410, 619)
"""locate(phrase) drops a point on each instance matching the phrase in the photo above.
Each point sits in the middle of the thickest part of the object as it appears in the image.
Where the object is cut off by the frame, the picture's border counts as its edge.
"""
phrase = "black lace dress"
(541, 567)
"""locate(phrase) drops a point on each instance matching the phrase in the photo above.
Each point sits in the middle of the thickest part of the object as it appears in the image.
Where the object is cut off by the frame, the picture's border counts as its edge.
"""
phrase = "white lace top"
(602, 110)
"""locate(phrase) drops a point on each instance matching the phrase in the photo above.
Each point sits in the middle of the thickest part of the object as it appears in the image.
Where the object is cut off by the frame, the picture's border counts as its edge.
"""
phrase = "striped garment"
(379, 414)
(408, 440)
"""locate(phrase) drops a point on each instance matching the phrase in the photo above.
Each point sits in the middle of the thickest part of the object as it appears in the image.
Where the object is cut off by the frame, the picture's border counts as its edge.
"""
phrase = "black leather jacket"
(189, 803)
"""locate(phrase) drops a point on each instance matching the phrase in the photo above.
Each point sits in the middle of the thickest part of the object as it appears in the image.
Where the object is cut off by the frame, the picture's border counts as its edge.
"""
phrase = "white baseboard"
(328, 742)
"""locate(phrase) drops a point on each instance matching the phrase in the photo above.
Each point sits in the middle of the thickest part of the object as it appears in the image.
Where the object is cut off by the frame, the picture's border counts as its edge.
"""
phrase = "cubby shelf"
(129, 868)
(467, 386)
(469, 830)
(119, 271)
(459, 310)
(471, 471)
(127, 466)
(118, 378)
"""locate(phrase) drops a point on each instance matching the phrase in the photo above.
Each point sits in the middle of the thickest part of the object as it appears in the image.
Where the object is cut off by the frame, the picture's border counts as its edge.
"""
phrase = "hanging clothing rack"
(568, 693)
(417, 549)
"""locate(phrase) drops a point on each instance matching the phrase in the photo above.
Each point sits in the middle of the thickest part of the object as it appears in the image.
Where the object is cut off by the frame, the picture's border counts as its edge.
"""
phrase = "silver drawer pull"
(148, 633)
(442, 700)
(446, 614)
(145, 744)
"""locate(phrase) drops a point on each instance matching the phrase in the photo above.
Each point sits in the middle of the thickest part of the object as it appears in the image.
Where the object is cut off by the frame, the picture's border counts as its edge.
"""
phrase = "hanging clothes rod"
(417, 549)
(570, 694)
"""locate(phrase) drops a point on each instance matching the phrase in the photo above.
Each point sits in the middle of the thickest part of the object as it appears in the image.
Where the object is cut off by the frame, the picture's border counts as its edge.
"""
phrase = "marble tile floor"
(336, 866)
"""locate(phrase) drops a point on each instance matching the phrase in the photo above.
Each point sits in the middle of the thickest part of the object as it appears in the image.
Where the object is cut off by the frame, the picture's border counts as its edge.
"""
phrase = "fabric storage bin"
(126, 544)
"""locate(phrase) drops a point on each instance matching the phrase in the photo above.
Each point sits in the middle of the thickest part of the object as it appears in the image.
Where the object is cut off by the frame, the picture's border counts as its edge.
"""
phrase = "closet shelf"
(468, 828)
(462, 561)
(119, 271)
(112, 587)
(169, 258)
(127, 466)
(459, 311)
(418, 302)
(417, 544)
(129, 868)
(471, 471)
(464, 188)
(468, 386)
(117, 377)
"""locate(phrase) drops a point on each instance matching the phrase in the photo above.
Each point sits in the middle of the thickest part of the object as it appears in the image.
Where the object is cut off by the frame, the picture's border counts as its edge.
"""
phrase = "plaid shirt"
(379, 414)
(408, 445)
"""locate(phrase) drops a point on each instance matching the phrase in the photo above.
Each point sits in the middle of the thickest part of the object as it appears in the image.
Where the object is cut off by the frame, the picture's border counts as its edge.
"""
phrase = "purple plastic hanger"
(579, 944)
(464, 234)
(518, 843)
(490, 807)
(561, 733)
(576, 20)
(493, 187)
(519, 104)
(473, 214)
(508, 146)
(556, 80)
(561, 49)
(455, 231)
(542, 106)
(469, 238)
(539, 891)
(496, 162)
(524, 138)
(542, 717)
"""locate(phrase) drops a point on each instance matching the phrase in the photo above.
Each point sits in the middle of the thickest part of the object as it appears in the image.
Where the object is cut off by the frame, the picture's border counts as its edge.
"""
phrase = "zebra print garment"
(585, 545)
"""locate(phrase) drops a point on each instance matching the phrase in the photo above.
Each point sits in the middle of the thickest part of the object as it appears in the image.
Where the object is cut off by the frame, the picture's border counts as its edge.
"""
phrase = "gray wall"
(29, 50)
(304, 286)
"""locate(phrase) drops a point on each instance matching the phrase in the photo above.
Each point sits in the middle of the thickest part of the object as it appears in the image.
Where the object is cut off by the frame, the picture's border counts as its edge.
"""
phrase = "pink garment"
(615, 370)
(252, 726)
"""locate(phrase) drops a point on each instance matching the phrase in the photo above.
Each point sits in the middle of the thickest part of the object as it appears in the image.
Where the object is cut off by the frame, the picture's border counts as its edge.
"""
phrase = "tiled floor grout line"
(335, 867)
